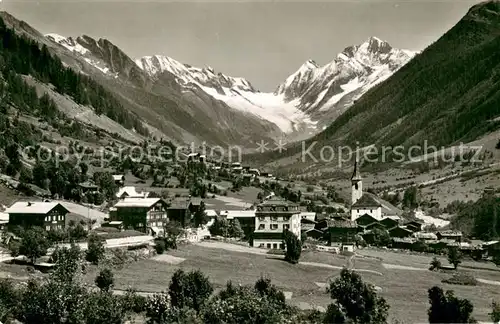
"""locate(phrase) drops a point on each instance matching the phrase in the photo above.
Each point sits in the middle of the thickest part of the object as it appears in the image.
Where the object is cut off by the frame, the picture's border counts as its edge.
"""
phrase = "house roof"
(308, 215)
(231, 214)
(211, 213)
(87, 184)
(307, 221)
(355, 173)
(130, 192)
(450, 233)
(394, 218)
(179, 203)
(427, 236)
(366, 201)
(401, 228)
(376, 201)
(137, 202)
(314, 230)
(275, 201)
(26, 207)
(118, 177)
(335, 223)
(367, 216)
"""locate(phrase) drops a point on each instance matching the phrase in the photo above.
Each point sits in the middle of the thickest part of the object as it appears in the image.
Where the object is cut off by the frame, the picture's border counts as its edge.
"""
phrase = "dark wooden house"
(48, 215)
(142, 214)
(389, 222)
(341, 231)
(400, 232)
(180, 210)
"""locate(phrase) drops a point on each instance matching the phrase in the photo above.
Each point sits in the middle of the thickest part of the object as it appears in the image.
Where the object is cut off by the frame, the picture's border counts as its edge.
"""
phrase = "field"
(401, 278)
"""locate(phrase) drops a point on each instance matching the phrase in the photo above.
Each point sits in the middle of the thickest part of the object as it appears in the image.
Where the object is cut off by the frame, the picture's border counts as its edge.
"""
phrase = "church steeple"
(355, 175)
(356, 184)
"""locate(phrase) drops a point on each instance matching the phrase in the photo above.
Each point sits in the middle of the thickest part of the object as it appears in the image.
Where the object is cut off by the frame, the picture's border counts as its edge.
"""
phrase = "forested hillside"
(479, 219)
(22, 56)
(447, 94)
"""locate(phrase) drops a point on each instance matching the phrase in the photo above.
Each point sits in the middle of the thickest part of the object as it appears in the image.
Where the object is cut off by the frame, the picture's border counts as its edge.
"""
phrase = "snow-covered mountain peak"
(187, 74)
(95, 53)
(334, 87)
(68, 42)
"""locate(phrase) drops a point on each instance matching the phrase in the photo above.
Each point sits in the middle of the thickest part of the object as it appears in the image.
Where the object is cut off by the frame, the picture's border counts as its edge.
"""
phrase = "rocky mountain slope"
(189, 104)
(325, 92)
(450, 93)
(309, 99)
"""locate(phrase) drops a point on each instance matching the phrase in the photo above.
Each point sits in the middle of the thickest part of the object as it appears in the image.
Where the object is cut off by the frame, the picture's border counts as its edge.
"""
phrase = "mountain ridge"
(447, 94)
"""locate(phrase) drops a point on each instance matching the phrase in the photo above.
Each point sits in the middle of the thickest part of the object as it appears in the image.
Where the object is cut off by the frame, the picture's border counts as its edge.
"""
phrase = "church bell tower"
(356, 184)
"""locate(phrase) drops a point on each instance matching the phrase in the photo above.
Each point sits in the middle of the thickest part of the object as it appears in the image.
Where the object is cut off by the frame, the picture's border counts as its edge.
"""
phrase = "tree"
(454, 256)
(220, 227)
(200, 216)
(264, 287)
(410, 198)
(380, 237)
(496, 258)
(67, 263)
(495, 312)
(95, 250)
(26, 176)
(189, 289)
(262, 303)
(293, 247)
(356, 300)
(173, 230)
(104, 280)
(77, 232)
(446, 308)
(34, 244)
(160, 246)
(104, 307)
(235, 229)
(435, 264)
(107, 184)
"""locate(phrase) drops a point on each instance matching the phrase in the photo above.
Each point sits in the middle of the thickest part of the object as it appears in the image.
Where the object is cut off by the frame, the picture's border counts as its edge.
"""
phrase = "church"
(363, 203)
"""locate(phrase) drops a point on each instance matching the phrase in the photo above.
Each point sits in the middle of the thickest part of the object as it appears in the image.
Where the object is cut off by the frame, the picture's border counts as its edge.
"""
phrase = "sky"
(263, 41)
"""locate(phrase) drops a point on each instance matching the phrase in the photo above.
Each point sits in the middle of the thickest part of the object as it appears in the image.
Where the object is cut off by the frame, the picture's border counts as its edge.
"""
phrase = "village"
(140, 217)
(233, 221)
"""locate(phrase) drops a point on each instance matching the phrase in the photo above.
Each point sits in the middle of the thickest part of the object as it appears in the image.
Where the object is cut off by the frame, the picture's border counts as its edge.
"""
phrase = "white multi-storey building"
(272, 218)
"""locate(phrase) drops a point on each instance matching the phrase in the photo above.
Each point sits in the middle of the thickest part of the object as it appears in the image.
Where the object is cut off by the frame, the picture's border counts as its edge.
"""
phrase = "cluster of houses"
(263, 225)
(235, 168)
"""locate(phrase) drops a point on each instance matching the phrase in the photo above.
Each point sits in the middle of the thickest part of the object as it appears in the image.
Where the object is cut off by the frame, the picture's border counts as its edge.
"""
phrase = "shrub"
(293, 247)
(160, 246)
(446, 308)
(95, 251)
(104, 280)
(435, 264)
(461, 278)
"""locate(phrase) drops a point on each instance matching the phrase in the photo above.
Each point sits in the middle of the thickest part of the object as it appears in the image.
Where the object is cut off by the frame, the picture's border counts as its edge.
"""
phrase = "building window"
(262, 218)
(274, 218)
(370, 211)
(274, 226)
(286, 226)
(262, 226)
(268, 245)
(275, 245)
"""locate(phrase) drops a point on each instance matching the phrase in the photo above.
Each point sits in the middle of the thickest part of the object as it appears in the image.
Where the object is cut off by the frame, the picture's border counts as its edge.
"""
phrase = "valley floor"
(401, 278)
